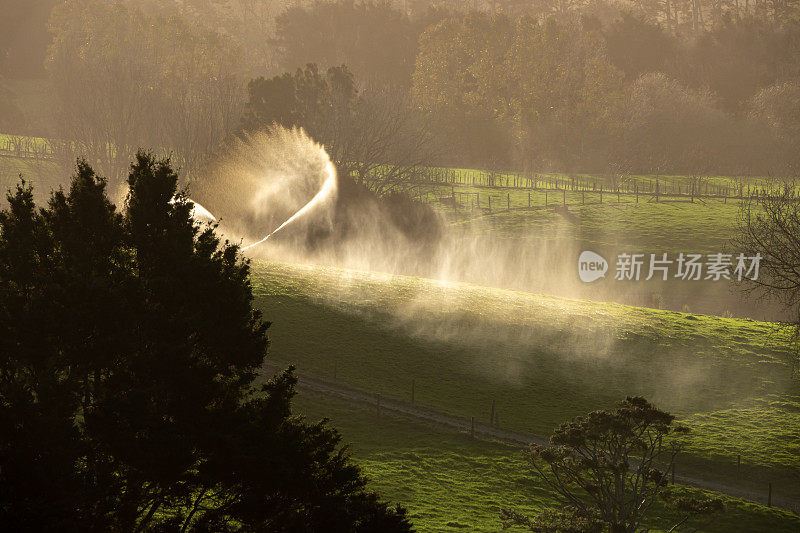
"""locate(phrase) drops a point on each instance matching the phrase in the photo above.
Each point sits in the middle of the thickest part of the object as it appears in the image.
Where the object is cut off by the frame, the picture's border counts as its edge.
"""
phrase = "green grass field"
(543, 359)
(23, 142)
(665, 226)
(449, 482)
(43, 174)
(611, 228)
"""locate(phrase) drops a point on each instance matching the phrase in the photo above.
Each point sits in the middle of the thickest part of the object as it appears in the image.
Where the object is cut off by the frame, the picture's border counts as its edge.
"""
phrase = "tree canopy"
(609, 468)
(131, 395)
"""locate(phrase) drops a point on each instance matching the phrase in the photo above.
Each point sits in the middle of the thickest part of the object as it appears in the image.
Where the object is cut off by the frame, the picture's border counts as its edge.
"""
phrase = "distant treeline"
(690, 87)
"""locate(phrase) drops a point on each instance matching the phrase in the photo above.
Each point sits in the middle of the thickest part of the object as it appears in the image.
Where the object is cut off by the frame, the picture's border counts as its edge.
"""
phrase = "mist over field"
(409, 187)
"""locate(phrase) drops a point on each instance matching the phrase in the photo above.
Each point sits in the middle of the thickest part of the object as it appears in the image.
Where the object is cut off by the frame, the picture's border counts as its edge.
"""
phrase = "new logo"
(591, 266)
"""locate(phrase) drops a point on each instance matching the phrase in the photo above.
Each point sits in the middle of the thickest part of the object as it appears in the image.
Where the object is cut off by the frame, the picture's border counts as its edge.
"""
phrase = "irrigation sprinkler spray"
(328, 187)
(278, 169)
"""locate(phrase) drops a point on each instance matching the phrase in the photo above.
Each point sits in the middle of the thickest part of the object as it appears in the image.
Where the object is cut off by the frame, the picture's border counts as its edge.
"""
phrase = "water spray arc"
(266, 173)
(328, 188)
(198, 211)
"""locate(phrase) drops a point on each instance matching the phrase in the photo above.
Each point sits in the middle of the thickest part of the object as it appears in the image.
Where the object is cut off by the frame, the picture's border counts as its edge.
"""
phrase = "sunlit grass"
(450, 482)
(542, 359)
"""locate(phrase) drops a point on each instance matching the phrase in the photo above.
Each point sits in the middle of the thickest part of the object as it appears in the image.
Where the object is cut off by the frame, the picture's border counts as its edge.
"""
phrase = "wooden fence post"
(491, 415)
(769, 496)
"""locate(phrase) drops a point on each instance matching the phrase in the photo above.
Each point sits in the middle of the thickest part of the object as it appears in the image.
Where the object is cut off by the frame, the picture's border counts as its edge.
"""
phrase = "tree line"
(644, 87)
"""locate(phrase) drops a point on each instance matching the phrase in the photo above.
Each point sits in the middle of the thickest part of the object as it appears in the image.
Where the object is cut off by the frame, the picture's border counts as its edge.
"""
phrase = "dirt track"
(332, 389)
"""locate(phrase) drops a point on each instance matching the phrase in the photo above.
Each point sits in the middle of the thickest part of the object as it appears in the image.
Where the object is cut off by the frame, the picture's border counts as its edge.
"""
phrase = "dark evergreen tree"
(130, 353)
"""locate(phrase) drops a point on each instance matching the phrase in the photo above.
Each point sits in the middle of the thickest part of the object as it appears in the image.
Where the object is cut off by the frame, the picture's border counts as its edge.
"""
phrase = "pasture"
(543, 360)
(540, 359)
(449, 482)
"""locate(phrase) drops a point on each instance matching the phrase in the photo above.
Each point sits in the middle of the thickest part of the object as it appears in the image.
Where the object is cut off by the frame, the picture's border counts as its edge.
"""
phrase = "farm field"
(611, 228)
(23, 142)
(663, 226)
(42, 174)
(556, 238)
(306, 265)
(449, 482)
(543, 360)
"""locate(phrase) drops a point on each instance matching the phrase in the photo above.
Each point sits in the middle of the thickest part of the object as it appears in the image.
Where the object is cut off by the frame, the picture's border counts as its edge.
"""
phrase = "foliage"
(23, 37)
(460, 78)
(778, 108)
(566, 520)
(605, 468)
(565, 92)
(376, 40)
(569, 97)
(11, 117)
(124, 79)
(128, 363)
(670, 126)
(523, 78)
(637, 46)
(374, 137)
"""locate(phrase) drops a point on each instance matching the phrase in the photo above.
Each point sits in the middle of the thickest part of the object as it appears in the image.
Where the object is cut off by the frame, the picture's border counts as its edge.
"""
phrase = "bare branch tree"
(769, 227)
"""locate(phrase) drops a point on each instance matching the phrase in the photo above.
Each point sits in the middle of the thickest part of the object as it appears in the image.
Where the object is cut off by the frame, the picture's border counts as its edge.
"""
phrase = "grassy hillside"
(42, 174)
(611, 228)
(656, 227)
(542, 359)
(450, 482)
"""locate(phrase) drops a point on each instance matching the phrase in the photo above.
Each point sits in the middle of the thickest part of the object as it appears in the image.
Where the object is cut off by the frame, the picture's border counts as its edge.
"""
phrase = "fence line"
(653, 188)
(499, 199)
(25, 147)
(488, 427)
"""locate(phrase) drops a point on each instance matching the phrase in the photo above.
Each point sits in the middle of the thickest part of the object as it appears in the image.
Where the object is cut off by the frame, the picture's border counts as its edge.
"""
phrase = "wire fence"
(25, 147)
(501, 192)
(556, 190)
(730, 474)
